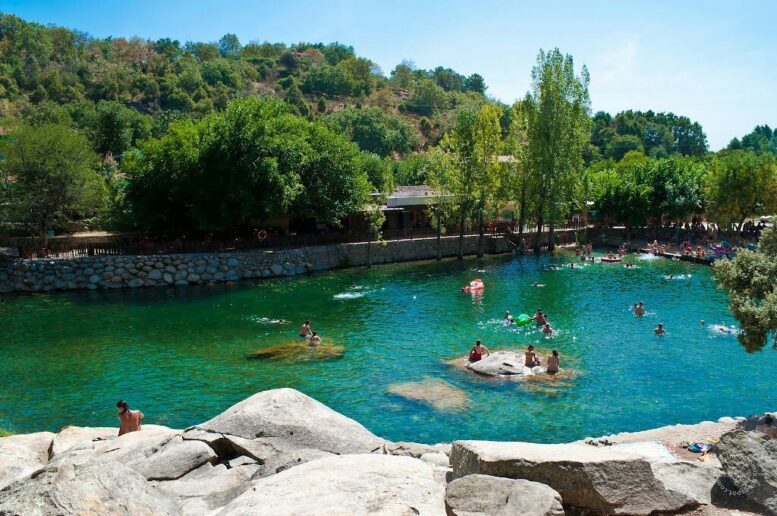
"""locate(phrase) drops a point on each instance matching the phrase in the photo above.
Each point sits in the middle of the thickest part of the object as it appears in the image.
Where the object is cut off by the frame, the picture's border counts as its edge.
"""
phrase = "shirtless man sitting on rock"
(532, 360)
(129, 420)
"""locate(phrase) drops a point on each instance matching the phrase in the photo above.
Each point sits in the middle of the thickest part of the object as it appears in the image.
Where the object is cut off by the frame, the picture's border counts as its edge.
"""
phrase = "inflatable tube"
(610, 260)
(475, 285)
(523, 320)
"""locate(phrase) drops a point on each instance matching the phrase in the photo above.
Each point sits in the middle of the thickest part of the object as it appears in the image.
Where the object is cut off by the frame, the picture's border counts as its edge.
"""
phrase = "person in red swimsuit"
(476, 353)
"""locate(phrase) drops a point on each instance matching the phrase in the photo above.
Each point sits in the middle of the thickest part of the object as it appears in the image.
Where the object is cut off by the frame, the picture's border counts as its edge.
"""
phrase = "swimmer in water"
(540, 318)
(305, 332)
(639, 309)
(507, 315)
(315, 340)
(659, 329)
(547, 330)
(532, 360)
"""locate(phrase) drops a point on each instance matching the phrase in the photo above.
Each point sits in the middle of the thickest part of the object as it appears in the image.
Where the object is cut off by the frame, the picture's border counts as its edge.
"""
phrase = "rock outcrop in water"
(280, 452)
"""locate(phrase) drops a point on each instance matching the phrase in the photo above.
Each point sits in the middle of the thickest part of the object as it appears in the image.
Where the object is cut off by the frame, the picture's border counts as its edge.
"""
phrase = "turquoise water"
(181, 355)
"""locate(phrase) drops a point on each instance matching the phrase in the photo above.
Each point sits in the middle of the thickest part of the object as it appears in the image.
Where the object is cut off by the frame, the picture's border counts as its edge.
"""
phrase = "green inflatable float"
(522, 320)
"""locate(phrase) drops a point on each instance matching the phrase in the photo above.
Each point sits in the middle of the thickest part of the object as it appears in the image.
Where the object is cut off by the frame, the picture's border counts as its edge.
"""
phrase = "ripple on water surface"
(184, 355)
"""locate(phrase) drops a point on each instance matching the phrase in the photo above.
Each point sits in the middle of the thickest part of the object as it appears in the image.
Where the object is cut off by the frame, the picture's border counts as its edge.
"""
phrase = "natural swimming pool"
(180, 355)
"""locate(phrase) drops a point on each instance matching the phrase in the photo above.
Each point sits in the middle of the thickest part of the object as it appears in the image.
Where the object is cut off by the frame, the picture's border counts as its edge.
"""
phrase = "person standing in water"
(659, 329)
(553, 362)
(315, 340)
(547, 330)
(639, 309)
(129, 420)
(507, 315)
(305, 332)
(476, 353)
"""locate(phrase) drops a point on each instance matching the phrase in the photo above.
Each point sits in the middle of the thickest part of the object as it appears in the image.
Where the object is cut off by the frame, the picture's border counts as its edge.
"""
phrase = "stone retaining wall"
(100, 272)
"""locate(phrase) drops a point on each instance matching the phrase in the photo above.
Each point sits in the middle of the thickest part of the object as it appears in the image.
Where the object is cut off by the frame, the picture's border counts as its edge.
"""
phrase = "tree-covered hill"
(46, 66)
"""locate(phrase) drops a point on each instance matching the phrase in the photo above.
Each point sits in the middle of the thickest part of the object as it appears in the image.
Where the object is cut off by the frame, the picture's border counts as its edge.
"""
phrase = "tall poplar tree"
(558, 113)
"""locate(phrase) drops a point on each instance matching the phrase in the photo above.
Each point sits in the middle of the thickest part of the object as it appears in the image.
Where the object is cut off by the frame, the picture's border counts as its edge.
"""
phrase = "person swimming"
(508, 317)
(553, 362)
(315, 340)
(547, 330)
(639, 309)
(659, 329)
(539, 318)
(305, 331)
(532, 360)
(476, 353)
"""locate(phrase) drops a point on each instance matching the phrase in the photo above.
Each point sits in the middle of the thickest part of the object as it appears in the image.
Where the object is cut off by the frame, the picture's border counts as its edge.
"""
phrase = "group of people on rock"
(311, 336)
(530, 357)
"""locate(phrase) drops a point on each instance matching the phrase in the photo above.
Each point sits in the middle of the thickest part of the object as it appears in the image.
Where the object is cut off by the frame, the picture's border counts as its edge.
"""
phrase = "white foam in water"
(647, 257)
(721, 329)
(677, 277)
(349, 295)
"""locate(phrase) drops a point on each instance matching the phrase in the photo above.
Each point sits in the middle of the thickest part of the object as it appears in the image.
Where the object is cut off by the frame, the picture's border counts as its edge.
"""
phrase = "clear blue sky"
(713, 61)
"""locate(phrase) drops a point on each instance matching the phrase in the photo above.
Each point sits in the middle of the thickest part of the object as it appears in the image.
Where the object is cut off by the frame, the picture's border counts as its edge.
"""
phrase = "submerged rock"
(347, 484)
(483, 495)
(436, 393)
(299, 350)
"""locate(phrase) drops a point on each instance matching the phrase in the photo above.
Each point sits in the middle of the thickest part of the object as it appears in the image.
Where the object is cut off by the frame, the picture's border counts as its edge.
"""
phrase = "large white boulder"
(483, 495)
(298, 419)
(175, 459)
(502, 363)
(596, 478)
(21, 455)
(346, 484)
(209, 487)
(77, 437)
(90, 489)
(750, 460)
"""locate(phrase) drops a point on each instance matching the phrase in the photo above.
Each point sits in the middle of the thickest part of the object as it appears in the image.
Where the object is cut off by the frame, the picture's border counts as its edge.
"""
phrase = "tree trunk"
(481, 237)
(461, 238)
(551, 241)
(538, 236)
(439, 241)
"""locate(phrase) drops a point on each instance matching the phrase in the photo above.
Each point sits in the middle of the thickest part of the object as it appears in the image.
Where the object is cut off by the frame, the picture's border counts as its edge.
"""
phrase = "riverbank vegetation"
(222, 137)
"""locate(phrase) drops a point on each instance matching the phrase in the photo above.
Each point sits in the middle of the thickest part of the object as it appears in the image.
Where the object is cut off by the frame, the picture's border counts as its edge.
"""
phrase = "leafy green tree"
(378, 172)
(116, 128)
(427, 97)
(761, 140)
(244, 166)
(329, 80)
(741, 184)
(374, 131)
(517, 179)
(474, 147)
(440, 177)
(750, 280)
(48, 178)
(621, 144)
(229, 45)
(558, 114)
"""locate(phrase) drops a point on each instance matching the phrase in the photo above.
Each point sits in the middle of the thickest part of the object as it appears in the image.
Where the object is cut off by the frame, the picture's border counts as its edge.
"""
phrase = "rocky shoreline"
(280, 452)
